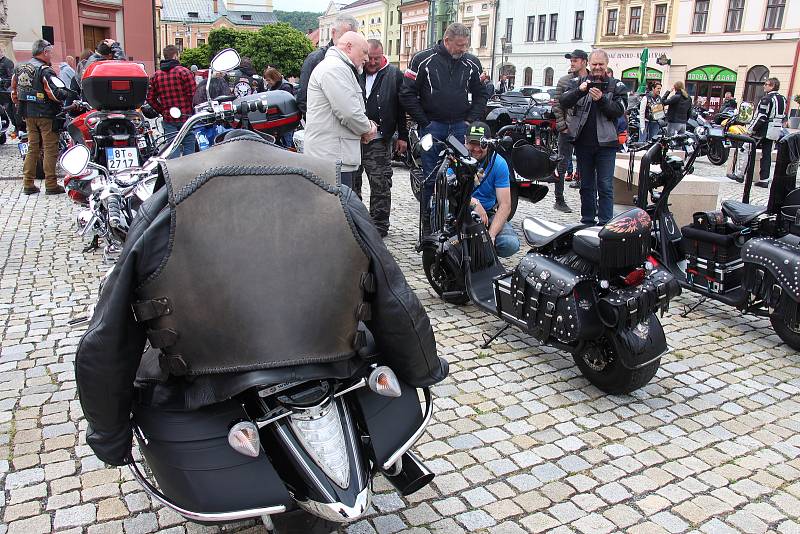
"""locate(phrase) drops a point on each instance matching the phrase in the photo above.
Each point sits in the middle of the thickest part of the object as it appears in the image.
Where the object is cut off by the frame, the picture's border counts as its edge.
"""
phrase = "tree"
(299, 20)
(278, 45)
(223, 38)
(199, 56)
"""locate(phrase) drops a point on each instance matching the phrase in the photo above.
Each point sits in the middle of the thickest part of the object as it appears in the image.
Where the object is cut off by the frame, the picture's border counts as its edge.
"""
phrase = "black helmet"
(533, 162)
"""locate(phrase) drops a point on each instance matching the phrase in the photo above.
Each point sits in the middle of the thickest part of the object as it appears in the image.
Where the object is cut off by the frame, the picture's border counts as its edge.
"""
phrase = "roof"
(178, 10)
(359, 3)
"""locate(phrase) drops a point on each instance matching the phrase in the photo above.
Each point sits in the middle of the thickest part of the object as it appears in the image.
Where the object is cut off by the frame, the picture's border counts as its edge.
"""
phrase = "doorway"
(93, 35)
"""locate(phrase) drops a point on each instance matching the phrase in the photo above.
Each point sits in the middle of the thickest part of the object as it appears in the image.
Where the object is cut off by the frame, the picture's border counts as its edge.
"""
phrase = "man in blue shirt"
(491, 198)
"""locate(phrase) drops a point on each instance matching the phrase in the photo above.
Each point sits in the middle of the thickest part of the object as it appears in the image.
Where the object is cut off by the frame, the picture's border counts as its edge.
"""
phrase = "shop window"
(754, 83)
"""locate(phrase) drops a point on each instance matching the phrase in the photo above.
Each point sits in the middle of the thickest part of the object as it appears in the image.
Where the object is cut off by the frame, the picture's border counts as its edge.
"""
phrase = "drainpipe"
(794, 72)
(494, 37)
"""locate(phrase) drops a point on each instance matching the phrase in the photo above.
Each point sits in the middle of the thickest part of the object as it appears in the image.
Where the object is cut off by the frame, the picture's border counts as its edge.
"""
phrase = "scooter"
(590, 291)
(745, 256)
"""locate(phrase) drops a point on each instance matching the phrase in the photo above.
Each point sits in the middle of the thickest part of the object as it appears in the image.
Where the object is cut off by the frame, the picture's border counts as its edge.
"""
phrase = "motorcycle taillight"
(635, 277)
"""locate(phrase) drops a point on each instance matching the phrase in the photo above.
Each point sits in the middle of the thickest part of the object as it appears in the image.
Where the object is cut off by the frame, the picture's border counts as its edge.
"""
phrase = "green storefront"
(708, 84)
(630, 77)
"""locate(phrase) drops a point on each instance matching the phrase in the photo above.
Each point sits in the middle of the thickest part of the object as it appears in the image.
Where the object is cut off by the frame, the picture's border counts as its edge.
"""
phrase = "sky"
(300, 5)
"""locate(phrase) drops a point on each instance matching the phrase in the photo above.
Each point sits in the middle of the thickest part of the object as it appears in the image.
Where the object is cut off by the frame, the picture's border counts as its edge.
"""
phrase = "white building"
(326, 22)
(540, 32)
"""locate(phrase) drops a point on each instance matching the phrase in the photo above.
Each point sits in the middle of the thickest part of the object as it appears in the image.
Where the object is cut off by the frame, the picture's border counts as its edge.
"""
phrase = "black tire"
(3, 138)
(415, 176)
(789, 335)
(301, 522)
(717, 153)
(514, 201)
(600, 365)
(442, 278)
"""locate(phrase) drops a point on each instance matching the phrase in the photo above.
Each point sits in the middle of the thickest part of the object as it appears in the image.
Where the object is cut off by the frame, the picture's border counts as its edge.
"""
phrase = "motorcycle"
(745, 256)
(591, 291)
(299, 454)
(714, 144)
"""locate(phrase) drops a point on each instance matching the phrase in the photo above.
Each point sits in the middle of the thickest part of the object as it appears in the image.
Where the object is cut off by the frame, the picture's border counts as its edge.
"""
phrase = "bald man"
(336, 118)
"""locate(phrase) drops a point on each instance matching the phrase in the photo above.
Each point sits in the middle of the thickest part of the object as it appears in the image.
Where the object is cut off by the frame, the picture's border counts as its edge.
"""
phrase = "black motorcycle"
(746, 256)
(590, 291)
(712, 142)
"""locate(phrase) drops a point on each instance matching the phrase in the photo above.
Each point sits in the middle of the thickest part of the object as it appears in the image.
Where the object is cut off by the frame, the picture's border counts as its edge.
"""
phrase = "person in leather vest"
(226, 310)
(39, 91)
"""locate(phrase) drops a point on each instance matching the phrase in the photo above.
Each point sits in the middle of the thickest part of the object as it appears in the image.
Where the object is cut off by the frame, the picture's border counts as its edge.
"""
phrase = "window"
(528, 76)
(509, 29)
(611, 22)
(553, 26)
(484, 7)
(484, 35)
(548, 76)
(201, 42)
(390, 49)
(247, 17)
(531, 28)
(414, 40)
(700, 16)
(469, 9)
(735, 13)
(774, 19)
(398, 46)
(660, 19)
(192, 14)
(391, 21)
(179, 43)
(754, 84)
(542, 27)
(635, 22)
(578, 33)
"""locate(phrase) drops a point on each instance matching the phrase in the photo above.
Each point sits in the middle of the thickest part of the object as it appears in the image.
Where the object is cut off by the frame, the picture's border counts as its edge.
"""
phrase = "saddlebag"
(195, 467)
(627, 307)
(548, 299)
(713, 254)
(772, 274)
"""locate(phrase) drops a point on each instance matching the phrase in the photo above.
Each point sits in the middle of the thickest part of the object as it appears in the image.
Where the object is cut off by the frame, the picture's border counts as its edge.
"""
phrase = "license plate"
(122, 158)
(23, 149)
(141, 142)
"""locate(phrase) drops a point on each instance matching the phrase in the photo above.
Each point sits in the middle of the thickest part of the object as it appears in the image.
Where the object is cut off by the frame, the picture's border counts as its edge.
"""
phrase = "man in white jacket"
(336, 119)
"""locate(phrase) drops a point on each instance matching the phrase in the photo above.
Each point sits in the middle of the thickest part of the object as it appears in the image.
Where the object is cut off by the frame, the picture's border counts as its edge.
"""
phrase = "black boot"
(561, 205)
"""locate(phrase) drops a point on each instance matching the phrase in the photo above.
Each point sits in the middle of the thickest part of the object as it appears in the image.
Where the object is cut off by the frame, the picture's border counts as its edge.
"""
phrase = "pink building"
(79, 24)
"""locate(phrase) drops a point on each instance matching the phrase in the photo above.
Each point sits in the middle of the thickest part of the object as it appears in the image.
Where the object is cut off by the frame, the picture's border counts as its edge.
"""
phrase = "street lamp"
(505, 48)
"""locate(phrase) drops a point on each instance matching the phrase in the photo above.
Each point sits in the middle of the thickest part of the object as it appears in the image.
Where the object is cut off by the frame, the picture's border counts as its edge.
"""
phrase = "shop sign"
(711, 73)
(633, 73)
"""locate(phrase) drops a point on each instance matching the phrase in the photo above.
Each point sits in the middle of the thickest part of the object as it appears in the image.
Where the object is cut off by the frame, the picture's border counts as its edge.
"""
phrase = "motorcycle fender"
(641, 345)
(390, 421)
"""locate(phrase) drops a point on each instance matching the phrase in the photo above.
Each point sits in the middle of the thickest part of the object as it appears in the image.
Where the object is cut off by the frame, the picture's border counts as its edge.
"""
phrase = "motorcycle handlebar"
(252, 106)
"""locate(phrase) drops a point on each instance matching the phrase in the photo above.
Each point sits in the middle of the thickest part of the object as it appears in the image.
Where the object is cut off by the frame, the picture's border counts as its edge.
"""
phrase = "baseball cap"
(577, 53)
(477, 131)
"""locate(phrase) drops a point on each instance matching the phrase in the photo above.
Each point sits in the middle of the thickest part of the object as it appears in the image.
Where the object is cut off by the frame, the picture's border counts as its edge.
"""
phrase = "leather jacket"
(383, 105)
(610, 108)
(110, 358)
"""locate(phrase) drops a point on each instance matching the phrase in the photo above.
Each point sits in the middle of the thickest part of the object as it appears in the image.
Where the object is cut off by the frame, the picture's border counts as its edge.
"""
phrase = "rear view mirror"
(57, 82)
(75, 159)
(426, 142)
(225, 60)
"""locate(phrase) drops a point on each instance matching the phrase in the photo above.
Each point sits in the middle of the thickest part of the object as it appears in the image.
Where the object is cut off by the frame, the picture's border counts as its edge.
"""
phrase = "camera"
(597, 84)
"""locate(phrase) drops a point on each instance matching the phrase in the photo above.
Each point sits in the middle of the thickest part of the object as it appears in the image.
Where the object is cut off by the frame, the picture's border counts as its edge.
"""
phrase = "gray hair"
(456, 29)
(345, 23)
(599, 52)
(39, 46)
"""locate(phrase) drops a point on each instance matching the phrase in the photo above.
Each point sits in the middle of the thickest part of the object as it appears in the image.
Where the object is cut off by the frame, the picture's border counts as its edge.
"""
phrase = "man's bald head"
(355, 47)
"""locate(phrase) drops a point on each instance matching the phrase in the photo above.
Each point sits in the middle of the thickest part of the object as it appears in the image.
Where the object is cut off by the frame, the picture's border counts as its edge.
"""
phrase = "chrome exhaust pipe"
(409, 474)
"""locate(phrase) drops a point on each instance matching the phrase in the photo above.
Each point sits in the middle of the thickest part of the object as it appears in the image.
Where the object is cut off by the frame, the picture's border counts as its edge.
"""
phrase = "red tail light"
(120, 85)
(634, 277)
(121, 143)
(652, 261)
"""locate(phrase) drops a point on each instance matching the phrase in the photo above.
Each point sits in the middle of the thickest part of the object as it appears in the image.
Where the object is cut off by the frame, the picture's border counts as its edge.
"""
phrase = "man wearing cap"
(491, 198)
(33, 87)
(578, 60)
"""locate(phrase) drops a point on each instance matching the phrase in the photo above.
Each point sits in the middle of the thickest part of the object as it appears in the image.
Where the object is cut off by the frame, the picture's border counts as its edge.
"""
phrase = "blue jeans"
(650, 130)
(506, 243)
(596, 165)
(440, 131)
(187, 147)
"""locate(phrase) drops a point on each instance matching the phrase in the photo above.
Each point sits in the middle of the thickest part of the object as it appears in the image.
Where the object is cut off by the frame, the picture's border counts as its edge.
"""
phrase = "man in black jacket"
(435, 92)
(598, 101)
(382, 82)
(766, 125)
(307, 332)
(342, 25)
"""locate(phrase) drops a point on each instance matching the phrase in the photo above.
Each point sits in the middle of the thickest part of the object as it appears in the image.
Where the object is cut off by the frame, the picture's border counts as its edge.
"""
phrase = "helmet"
(533, 162)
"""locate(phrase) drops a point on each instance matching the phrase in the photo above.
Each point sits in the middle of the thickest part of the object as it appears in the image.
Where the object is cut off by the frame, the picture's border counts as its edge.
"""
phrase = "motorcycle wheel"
(717, 154)
(415, 175)
(442, 278)
(789, 335)
(301, 522)
(3, 138)
(599, 364)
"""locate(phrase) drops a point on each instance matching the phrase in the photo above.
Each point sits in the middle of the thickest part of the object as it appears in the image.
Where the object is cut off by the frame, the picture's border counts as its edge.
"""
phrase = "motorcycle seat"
(741, 214)
(586, 243)
(540, 233)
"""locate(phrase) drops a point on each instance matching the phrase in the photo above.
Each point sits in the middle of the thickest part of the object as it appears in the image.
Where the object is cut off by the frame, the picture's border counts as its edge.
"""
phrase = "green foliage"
(199, 56)
(278, 45)
(299, 20)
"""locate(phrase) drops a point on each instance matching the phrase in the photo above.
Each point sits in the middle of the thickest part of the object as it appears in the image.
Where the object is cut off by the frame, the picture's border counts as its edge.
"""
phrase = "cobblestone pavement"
(520, 441)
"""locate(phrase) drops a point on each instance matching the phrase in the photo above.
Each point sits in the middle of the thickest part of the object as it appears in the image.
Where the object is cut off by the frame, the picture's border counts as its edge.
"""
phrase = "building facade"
(479, 16)
(326, 21)
(79, 24)
(187, 23)
(626, 27)
(734, 45)
(370, 17)
(533, 36)
(414, 29)
(391, 32)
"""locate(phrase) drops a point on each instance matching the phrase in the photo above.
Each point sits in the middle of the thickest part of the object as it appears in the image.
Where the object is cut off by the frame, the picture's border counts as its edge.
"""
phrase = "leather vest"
(264, 268)
(30, 90)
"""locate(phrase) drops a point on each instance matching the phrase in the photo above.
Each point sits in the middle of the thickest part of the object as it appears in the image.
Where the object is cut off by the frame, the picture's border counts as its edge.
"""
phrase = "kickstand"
(488, 339)
(689, 309)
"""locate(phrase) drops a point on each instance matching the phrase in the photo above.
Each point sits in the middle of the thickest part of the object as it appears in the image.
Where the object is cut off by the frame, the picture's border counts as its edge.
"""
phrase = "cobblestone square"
(519, 440)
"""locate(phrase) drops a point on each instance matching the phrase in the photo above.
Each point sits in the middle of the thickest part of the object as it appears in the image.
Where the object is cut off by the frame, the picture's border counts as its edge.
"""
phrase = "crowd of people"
(355, 103)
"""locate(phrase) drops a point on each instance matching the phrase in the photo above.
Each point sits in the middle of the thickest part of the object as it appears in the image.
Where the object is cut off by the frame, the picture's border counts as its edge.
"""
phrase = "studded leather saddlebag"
(772, 274)
(629, 306)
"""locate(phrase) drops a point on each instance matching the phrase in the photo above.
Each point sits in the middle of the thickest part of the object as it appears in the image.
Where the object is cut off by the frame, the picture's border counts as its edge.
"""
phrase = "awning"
(711, 73)
(633, 73)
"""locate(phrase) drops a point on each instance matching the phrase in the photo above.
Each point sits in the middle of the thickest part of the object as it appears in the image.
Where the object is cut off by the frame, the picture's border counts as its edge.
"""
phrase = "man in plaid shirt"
(173, 86)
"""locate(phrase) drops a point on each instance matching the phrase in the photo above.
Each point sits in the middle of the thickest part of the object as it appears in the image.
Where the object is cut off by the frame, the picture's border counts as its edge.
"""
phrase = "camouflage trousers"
(376, 159)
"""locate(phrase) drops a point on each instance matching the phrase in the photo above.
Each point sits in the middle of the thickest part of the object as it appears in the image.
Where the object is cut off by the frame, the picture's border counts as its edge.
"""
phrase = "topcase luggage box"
(115, 85)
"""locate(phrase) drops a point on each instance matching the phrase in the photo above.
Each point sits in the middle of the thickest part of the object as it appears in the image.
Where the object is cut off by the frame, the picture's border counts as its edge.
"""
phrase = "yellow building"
(370, 16)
